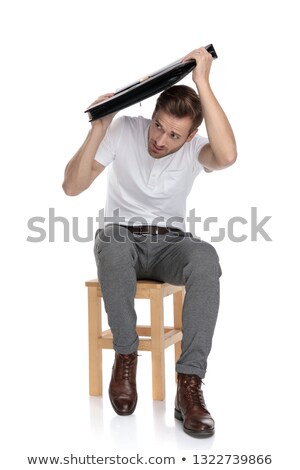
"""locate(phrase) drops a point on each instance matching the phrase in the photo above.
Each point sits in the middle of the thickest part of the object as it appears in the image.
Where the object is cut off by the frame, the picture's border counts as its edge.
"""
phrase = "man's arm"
(221, 151)
(82, 169)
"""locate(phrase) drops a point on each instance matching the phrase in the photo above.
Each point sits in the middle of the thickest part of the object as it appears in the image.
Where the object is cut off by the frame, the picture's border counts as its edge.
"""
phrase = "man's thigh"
(173, 257)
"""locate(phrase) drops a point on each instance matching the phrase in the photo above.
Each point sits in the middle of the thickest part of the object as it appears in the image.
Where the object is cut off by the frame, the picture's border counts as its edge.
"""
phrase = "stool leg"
(95, 353)
(178, 298)
(157, 344)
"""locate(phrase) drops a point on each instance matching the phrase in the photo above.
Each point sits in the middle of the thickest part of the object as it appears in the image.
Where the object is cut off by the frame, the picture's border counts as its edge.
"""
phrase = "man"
(153, 165)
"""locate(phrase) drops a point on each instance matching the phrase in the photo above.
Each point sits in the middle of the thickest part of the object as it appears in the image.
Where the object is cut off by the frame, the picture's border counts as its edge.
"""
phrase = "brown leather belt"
(151, 229)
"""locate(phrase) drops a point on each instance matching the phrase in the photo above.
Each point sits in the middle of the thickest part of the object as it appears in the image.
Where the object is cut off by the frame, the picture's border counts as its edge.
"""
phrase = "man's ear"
(192, 134)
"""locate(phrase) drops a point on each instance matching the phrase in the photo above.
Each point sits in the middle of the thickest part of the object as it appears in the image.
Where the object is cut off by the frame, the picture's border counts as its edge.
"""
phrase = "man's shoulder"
(197, 143)
(127, 122)
(135, 121)
(127, 130)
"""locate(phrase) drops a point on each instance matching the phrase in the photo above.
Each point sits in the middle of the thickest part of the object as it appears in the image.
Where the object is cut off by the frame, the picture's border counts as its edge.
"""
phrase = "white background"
(57, 57)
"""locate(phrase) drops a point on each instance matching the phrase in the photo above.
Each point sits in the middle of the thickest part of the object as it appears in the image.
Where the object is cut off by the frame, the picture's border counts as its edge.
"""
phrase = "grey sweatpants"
(123, 258)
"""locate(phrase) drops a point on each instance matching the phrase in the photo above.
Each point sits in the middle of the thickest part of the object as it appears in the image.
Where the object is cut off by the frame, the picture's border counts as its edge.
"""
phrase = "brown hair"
(181, 101)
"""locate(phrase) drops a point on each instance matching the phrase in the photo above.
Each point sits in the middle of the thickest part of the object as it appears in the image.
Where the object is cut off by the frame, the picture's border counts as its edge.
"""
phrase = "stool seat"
(155, 337)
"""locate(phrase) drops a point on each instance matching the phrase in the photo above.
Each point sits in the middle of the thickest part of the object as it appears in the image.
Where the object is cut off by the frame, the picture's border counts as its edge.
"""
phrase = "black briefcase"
(145, 87)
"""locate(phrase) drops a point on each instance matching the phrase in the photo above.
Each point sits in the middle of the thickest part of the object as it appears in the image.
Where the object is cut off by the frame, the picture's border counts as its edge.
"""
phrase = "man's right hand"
(106, 120)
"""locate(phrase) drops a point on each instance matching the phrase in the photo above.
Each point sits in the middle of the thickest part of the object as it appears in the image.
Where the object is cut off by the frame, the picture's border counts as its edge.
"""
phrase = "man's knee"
(204, 256)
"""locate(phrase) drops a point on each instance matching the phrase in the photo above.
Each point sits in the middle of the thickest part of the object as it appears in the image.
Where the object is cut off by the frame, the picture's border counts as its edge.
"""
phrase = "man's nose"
(160, 141)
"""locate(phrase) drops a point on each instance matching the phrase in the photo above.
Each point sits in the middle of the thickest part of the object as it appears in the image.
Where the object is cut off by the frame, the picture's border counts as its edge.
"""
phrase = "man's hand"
(105, 121)
(204, 60)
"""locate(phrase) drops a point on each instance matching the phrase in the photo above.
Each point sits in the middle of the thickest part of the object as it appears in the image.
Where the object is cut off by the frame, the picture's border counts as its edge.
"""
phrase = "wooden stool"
(154, 338)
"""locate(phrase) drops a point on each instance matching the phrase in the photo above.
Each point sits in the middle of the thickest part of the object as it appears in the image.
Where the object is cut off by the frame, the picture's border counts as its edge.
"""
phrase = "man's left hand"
(204, 60)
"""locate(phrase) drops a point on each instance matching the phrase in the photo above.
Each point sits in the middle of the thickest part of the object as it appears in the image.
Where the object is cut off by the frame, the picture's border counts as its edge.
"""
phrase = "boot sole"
(191, 432)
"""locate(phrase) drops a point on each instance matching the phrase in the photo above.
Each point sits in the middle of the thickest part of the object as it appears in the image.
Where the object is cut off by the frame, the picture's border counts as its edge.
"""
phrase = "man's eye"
(175, 137)
(157, 125)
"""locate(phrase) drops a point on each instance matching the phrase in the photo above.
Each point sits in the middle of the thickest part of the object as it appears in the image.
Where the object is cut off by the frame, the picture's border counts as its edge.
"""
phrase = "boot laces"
(194, 392)
(128, 361)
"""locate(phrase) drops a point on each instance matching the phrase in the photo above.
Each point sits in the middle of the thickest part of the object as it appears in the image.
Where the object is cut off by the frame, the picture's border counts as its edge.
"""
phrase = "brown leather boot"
(190, 407)
(122, 388)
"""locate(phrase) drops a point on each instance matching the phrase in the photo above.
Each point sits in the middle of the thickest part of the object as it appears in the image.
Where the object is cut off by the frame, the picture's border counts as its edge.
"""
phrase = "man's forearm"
(218, 128)
(78, 172)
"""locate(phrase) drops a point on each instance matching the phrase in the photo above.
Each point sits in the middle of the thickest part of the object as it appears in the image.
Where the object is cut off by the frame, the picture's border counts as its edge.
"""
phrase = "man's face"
(167, 134)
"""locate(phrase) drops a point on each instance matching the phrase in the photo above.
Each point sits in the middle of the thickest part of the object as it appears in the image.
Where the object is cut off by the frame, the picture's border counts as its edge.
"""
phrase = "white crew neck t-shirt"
(142, 190)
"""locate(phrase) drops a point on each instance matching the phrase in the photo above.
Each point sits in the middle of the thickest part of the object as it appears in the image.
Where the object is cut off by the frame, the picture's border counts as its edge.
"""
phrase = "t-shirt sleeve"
(107, 150)
(196, 145)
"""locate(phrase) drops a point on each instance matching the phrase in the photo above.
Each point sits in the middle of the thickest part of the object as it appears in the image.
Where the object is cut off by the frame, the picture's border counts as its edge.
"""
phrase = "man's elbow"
(69, 190)
(233, 157)
(230, 157)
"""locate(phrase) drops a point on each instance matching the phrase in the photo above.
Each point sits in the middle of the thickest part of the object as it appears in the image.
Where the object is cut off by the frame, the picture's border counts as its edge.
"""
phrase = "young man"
(153, 164)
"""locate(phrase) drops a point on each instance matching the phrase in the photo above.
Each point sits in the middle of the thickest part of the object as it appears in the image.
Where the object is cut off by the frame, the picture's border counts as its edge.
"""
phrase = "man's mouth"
(156, 149)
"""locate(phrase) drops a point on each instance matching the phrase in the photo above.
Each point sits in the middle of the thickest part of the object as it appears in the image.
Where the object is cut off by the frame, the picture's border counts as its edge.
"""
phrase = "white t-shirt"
(143, 190)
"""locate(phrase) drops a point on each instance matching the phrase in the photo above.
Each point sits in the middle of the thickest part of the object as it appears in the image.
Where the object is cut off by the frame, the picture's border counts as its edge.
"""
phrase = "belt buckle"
(140, 230)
